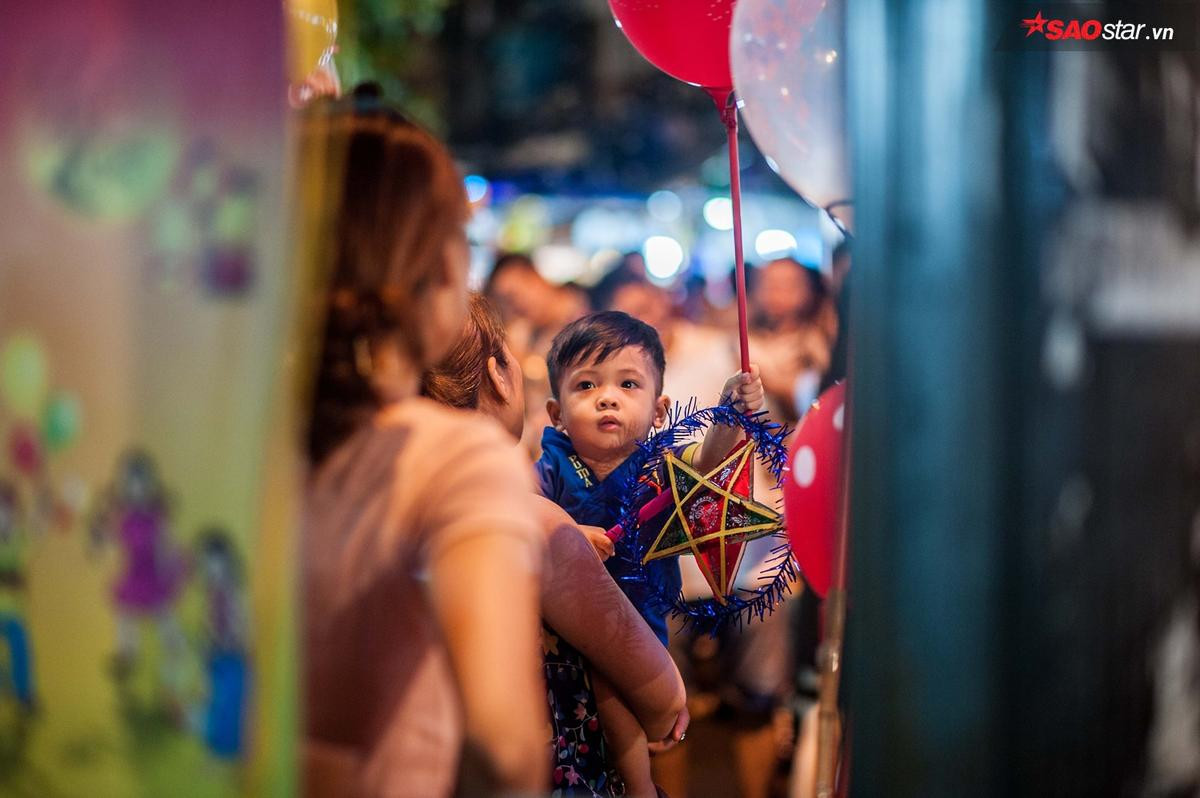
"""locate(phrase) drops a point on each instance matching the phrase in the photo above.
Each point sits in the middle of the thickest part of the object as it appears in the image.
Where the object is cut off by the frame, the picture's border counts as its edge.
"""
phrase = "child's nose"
(607, 401)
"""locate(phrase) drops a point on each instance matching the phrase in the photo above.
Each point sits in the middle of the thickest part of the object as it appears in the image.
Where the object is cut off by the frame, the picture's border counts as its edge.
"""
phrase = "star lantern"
(713, 516)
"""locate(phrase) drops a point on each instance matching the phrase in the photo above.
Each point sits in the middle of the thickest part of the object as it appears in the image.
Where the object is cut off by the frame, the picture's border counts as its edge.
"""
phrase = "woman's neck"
(393, 374)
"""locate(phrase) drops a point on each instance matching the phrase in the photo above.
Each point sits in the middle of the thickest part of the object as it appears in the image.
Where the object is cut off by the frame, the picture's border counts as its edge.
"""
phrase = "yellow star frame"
(766, 519)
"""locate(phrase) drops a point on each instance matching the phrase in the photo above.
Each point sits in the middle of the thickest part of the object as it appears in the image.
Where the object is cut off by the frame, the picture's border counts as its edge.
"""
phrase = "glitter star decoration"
(713, 517)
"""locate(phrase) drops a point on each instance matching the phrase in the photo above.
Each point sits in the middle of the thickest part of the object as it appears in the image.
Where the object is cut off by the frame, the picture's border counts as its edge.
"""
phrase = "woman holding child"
(606, 376)
(611, 685)
(412, 685)
(412, 510)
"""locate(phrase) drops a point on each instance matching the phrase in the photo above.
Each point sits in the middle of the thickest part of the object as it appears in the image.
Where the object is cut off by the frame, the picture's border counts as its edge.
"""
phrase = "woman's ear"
(554, 410)
(662, 409)
(456, 262)
(499, 380)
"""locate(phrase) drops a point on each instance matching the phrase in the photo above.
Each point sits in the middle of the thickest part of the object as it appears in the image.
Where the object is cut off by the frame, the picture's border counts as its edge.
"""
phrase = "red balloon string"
(728, 110)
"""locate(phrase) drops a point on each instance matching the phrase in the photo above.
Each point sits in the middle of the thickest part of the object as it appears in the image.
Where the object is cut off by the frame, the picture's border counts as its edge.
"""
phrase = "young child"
(606, 373)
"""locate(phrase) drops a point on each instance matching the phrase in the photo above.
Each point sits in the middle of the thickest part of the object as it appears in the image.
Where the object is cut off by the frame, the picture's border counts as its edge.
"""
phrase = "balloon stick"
(727, 107)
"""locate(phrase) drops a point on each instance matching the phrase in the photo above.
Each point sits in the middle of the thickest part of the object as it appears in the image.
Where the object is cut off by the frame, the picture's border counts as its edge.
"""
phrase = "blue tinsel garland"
(709, 615)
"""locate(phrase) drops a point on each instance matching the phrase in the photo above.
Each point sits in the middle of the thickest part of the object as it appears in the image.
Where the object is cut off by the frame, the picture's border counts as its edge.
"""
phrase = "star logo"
(714, 517)
(1035, 25)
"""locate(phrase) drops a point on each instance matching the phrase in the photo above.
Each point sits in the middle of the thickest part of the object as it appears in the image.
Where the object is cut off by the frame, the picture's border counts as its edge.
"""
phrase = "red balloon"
(687, 39)
(24, 449)
(811, 487)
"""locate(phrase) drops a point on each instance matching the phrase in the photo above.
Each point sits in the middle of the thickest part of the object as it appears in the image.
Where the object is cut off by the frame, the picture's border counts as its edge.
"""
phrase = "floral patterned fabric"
(580, 756)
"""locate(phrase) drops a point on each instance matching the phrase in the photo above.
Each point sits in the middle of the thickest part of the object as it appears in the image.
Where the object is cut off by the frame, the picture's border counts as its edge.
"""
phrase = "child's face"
(607, 407)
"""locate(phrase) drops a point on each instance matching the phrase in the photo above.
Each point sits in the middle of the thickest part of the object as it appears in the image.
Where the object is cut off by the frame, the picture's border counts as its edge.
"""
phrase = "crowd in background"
(796, 313)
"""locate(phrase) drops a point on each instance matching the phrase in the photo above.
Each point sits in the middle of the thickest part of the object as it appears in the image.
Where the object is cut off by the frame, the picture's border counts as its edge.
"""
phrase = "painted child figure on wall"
(223, 717)
(135, 517)
(17, 676)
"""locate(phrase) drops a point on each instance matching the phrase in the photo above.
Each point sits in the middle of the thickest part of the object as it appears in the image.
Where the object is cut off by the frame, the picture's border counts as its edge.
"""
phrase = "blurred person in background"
(839, 362)
(592, 635)
(699, 358)
(793, 326)
(533, 310)
(412, 510)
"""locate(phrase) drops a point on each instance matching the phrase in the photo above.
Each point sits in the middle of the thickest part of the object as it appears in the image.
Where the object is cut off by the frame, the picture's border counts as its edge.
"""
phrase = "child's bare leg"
(626, 740)
(670, 770)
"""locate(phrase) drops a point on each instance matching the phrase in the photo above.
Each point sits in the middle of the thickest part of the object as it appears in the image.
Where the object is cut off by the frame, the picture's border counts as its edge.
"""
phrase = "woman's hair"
(397, 200)
(461, 375)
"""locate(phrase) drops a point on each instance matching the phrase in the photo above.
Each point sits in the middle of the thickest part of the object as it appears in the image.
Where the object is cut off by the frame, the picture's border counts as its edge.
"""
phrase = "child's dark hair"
(597, 337)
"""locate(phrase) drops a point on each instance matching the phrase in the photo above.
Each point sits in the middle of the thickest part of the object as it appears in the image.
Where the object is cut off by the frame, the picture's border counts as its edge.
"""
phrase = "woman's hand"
(678, 732)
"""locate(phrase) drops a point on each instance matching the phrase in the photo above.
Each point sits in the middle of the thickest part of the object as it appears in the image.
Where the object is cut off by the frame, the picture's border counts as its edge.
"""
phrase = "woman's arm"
(484, 554)
(493, 646)
(584, 605)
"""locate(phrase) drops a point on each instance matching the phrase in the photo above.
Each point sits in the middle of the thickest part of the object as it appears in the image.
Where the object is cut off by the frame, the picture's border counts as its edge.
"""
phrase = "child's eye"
(629, 384)
(585, 385)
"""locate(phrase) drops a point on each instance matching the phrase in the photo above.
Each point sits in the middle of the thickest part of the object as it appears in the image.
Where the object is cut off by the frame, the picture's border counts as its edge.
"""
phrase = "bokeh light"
(718, 213)
(664, 257)
(664, 205)
(774, 243)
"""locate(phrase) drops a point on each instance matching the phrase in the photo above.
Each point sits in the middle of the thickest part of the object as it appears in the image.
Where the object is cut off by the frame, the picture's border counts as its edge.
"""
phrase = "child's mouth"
(609, 424)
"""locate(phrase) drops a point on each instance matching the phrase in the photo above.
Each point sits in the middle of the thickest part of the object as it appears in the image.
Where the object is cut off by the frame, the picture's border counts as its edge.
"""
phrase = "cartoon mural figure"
(223, 718)
(229, 268)
(204, 228)
(136, 519)
(16, 677)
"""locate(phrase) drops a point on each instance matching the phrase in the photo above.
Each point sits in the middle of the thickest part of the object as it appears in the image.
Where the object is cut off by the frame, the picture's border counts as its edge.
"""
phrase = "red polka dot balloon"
(811, 498)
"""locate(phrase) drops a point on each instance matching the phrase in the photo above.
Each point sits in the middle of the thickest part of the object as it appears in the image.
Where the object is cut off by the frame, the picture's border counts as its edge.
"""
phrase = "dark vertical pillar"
(927, 478)
(1027, 410)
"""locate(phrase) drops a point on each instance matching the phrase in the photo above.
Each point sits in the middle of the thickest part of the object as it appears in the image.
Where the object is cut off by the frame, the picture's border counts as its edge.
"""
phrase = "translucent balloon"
(23, 375)
(787, 69)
